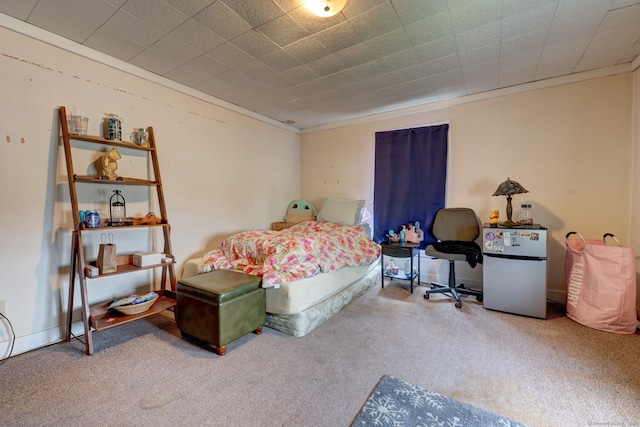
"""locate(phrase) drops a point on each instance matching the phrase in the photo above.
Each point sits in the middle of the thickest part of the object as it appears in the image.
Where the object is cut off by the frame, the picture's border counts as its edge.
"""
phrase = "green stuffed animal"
(299, 211)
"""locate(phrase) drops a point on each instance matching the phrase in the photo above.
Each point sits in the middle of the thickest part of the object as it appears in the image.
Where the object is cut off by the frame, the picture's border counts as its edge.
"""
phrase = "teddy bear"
(109, 163)
(494, 218)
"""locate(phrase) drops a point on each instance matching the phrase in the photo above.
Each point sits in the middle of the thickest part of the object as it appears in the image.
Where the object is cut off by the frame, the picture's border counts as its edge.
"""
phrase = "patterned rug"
(397, 403)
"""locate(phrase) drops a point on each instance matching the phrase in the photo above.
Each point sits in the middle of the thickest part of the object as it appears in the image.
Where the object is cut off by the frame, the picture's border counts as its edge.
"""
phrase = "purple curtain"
(410, 179)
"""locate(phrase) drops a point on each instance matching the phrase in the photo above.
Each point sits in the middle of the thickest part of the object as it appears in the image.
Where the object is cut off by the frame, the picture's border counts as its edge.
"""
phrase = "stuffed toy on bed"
(299, 211)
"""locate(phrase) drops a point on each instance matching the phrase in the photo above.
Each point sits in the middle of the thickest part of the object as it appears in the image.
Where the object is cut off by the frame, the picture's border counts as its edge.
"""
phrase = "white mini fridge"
(514, 270)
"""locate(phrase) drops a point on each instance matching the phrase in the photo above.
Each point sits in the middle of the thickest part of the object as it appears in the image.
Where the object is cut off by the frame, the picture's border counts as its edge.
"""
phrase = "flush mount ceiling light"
(325, 8)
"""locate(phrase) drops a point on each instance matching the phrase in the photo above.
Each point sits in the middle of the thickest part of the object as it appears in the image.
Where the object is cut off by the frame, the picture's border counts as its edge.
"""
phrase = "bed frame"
(300, 324)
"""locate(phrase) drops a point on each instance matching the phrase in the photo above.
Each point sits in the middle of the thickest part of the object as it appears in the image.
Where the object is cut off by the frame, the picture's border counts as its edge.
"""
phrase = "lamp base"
(508, 223)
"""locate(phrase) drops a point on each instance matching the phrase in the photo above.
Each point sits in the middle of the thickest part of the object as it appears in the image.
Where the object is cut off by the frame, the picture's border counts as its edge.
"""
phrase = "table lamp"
(509, 188)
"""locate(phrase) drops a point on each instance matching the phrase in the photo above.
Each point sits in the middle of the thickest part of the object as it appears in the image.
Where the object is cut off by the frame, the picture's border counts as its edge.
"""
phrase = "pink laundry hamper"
(601, 284)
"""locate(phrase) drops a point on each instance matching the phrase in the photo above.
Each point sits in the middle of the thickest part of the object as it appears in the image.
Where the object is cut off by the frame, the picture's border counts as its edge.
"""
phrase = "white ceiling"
(274, 58)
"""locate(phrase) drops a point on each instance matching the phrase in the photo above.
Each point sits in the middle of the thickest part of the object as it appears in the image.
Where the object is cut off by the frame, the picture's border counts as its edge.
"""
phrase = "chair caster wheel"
(426, 296)
(479, 298)
(458, 305)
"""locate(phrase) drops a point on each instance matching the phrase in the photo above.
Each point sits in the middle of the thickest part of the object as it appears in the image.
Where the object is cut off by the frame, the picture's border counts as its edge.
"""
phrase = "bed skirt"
(300, 324)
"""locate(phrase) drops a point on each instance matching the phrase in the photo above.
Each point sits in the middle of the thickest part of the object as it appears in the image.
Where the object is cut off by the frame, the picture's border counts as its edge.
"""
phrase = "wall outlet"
(2, 310)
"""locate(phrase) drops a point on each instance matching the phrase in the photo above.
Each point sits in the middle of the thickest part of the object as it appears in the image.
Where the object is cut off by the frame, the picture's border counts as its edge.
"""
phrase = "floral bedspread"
(294, 253)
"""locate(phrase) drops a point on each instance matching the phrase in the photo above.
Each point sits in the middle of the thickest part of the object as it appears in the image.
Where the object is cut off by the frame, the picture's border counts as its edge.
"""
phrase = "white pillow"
(341, 211)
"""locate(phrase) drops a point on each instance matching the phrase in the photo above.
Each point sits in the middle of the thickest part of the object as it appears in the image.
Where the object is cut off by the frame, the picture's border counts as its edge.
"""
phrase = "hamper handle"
(577, 234)
(604, 238)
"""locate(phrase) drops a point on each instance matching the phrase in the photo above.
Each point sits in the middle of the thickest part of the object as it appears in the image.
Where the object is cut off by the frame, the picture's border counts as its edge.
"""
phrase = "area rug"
(397, 403)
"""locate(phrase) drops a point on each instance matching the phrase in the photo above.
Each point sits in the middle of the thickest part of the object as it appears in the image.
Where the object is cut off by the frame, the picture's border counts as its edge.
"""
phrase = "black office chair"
(456, 230)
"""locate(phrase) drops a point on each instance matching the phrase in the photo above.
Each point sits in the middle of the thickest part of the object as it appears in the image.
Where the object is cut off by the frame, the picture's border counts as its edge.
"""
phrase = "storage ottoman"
(220, 307)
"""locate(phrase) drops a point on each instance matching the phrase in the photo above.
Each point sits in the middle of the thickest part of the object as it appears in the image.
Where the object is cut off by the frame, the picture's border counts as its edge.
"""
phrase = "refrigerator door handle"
(506, 256)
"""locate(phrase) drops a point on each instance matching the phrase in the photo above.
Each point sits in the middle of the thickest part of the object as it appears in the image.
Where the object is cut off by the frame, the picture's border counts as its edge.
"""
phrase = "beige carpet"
(551, 372)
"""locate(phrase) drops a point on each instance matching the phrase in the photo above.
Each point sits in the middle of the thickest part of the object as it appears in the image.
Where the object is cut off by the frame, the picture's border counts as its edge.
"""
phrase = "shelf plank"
(101, 140)
(102, 318)
(104, 228)
(95, 179)
(125, 265)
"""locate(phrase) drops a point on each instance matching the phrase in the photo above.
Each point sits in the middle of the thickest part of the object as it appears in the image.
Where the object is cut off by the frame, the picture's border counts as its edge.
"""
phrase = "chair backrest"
(456, 224)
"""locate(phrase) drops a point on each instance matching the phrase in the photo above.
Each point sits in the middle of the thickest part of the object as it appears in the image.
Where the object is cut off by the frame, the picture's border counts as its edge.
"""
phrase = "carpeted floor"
(551, 372)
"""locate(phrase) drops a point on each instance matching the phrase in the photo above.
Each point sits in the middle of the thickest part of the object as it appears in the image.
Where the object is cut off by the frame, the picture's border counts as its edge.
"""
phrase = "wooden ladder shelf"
(98, 317)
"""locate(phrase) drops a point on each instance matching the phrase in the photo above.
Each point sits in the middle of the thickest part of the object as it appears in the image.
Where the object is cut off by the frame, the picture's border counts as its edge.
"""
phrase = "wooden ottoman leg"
(258, 331)
(222, 350)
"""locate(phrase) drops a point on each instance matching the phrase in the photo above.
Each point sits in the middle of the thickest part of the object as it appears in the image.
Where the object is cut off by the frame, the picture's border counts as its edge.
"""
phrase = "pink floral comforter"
(294, 253)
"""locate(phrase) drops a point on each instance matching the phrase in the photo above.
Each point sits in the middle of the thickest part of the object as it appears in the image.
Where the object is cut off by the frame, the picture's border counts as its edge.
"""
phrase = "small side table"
(401, 250)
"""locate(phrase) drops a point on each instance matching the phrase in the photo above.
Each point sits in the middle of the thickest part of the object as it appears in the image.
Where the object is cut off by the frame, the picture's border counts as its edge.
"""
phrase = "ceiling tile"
(594, 59)
(525, 59)
(570, 10)
(533, 20)
(269, 55)
(483, 54)
(517, 76)
(255, 12)
(623, 36)
(283, 31)
(157, 14)
(73, 19)
(299, 75)
(338, 37)
(479, 70)
(516, 7)
(154, 62)
(222, 20)
(113, 44)
(482, 84)
(208, 65)
(280, 61)
(369, 50)
(571, 49)
(196, 36)
(255, 44)
(213, 86)
(188, 7)
(411, 11)
(430, 29)
(625, 17)
(385, 65)
(375, 22)
(522, 43)
(307, 50)
(132, 28)
(230, 55)
(577, 28)
(442, 65)
(18, 8)
(187, 75)
(326, 65)
(477, 37)
(437, 49)
(469, 14)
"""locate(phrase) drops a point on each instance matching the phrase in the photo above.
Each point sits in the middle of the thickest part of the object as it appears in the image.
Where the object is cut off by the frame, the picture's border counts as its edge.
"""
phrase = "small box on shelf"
(146, 259)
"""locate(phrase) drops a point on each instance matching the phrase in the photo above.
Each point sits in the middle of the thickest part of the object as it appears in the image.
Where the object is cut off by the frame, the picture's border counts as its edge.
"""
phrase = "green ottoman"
(220, 307)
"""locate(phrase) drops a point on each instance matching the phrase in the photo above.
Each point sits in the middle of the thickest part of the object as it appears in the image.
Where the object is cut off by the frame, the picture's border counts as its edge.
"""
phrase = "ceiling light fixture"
(325, 8)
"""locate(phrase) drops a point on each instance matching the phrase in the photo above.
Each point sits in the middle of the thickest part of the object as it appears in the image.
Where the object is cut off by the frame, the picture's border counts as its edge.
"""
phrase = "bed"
(310, 270)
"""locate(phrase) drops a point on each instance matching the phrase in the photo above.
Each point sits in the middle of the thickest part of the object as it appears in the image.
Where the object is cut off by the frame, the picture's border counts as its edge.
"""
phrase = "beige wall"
(223, 172)
(635, 206)
(569, 145)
